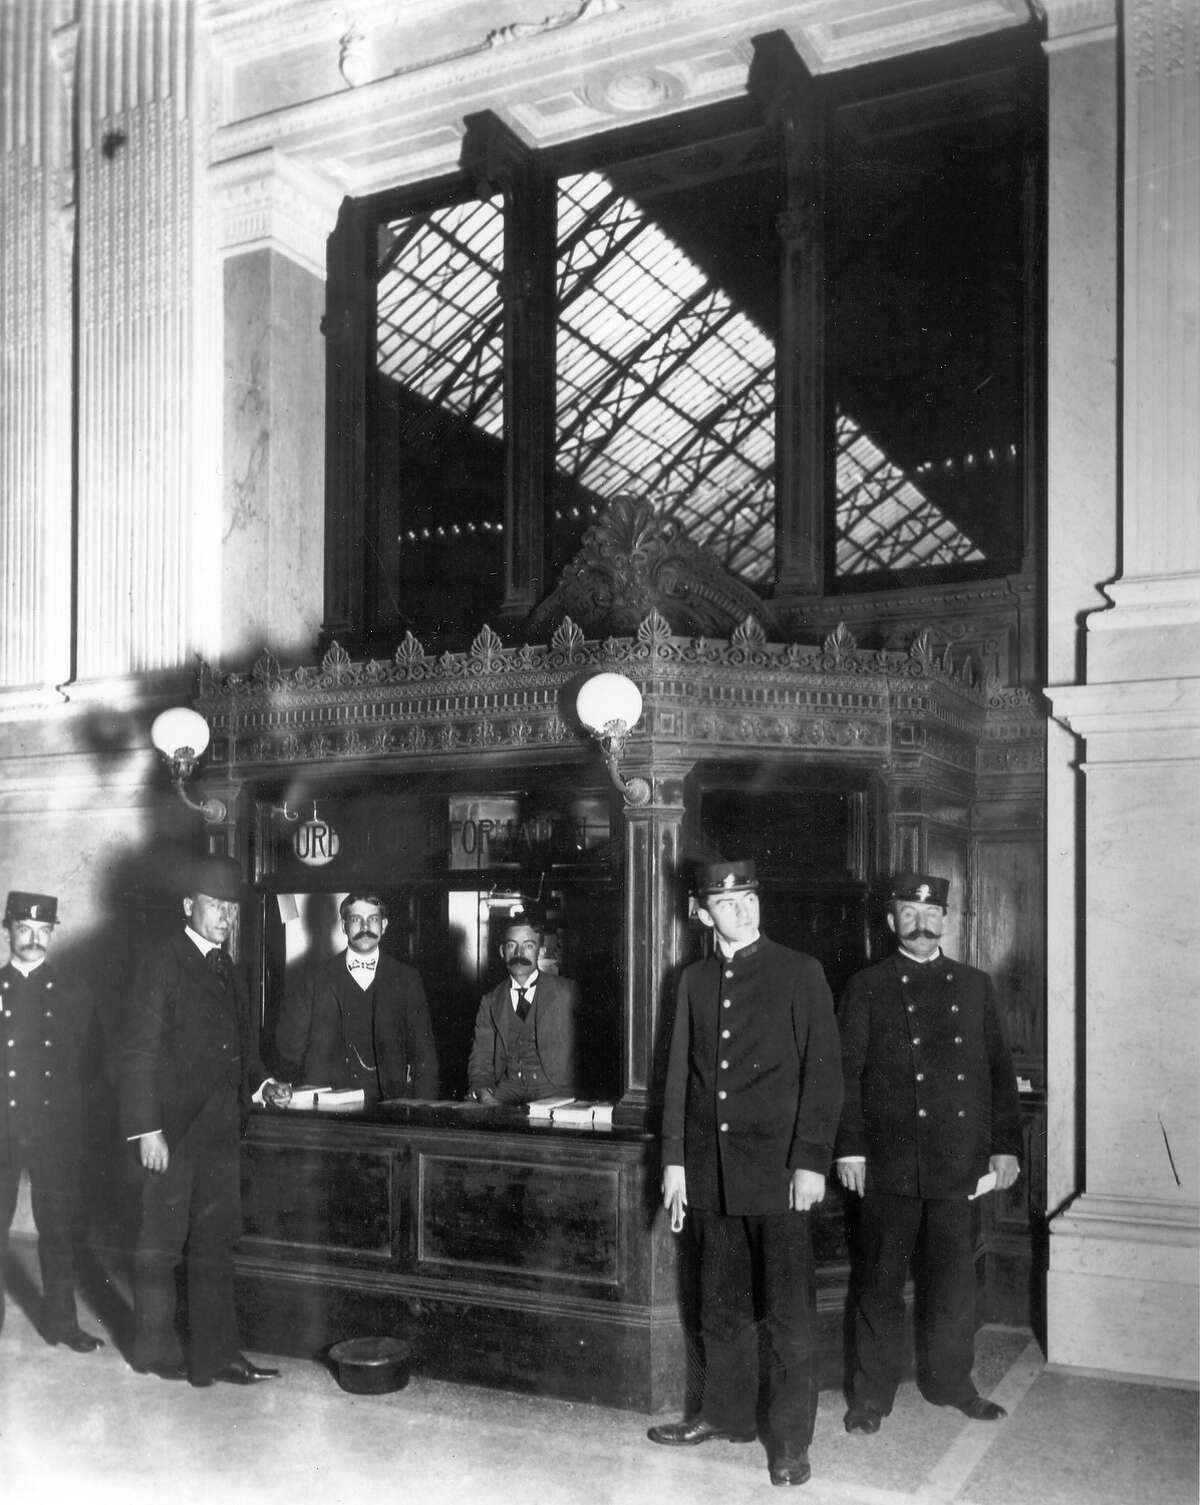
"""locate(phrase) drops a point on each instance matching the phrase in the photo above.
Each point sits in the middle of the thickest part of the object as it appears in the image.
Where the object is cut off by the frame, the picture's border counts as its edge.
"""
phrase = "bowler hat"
(218, 877)
(725, 878)
(40, 907)
(919, 888)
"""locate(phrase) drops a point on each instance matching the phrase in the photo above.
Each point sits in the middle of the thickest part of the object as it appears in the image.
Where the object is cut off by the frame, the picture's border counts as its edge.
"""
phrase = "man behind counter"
(524, 1044)
(360, 1019)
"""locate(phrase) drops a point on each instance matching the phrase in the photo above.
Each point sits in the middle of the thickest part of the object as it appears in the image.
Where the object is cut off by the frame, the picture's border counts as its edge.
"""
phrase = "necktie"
(522, 1004)
(219, 962)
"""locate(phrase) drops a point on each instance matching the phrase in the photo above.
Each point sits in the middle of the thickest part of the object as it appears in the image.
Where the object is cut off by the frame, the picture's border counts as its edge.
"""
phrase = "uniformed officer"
(930, 1107)
(45, 1016)
(753, 1091)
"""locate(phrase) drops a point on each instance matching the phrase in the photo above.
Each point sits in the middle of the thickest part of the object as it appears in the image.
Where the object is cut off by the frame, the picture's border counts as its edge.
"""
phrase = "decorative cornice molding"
(742, 693)
(270, 200)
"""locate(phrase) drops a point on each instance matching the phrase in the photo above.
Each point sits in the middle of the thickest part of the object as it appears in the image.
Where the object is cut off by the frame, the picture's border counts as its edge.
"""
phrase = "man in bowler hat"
(753, 1091)
(930, 1107)
(45, 1016)
(189, 1062)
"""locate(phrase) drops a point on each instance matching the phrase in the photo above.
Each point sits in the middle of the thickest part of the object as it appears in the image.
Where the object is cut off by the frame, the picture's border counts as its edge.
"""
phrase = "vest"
(523, 1078)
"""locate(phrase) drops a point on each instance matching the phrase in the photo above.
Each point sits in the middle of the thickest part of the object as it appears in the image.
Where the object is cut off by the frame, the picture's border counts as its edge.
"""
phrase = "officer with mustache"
(930, 1106)
(44, 1013)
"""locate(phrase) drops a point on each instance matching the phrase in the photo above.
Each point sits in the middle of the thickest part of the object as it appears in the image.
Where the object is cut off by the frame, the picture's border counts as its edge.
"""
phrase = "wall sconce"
(181, 735)
(609, 706)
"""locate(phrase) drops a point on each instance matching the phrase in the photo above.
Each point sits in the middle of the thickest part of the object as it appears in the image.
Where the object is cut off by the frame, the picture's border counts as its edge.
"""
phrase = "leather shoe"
(163, 1371)
(790, 1466)
(77, 1341)
(978, 1409)
(239, 1371)
(863, 1418)
(686, 1434)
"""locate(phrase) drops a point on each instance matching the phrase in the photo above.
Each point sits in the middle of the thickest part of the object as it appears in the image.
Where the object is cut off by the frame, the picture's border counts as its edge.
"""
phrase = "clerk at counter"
(525, 1029)
(360, 1019)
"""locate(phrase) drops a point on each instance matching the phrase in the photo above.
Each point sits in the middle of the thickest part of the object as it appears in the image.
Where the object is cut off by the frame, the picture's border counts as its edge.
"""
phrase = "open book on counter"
(572, 1112)
(309, 1099)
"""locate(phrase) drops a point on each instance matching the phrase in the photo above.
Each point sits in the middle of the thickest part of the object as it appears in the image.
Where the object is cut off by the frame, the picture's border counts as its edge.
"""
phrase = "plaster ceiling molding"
(844, 33)
(269, 200)
(1066, 20)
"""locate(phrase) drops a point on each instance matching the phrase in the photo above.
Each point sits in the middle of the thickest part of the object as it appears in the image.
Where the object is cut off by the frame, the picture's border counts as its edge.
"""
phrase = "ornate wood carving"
(701, 695)
(634, 563)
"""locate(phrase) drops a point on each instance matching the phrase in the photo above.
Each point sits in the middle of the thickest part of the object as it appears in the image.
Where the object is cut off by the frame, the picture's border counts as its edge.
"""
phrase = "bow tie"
(361, 966)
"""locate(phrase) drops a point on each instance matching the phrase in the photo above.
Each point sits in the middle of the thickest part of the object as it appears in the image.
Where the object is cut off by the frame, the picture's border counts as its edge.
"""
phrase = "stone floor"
(88, 1428)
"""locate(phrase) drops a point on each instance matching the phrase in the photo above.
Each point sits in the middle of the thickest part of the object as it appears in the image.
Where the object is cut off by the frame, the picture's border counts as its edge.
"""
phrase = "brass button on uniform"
(921, 1113)
(722, 1095)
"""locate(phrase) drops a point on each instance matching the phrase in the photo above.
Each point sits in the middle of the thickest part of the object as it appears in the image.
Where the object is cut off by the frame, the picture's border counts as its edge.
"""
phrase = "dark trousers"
(191, 1219)
(54, 1197)
(756, 1273)
(938, 1231)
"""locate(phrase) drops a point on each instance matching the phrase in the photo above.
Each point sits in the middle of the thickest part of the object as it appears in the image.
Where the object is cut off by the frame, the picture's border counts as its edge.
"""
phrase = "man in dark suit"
(187, 1067)
(524, 1043)
(930, 1107)
(753, 1091)
(360, 1019)
(45, 1014)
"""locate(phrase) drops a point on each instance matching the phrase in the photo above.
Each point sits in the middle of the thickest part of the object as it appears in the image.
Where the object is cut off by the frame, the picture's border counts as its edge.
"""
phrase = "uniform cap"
(725, 878)
(919, 888)
(40, 907)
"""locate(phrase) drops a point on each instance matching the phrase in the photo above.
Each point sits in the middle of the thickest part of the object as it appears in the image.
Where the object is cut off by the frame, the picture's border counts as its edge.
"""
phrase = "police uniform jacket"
(554, 1002)
(311, 1036)
(185, 1040)
(754, 1082)
(45, 1018)
(930, 1089)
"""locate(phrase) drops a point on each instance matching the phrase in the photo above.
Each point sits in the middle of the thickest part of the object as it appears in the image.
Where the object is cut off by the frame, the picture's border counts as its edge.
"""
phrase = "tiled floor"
(87, 1428)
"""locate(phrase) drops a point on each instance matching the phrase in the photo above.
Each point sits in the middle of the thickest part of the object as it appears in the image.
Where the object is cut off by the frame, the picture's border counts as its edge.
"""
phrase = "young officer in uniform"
(930, 1106)
(753, 1091)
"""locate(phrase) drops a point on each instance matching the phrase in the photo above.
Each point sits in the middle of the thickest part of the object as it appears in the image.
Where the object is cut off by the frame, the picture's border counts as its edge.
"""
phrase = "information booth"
(524, 1253)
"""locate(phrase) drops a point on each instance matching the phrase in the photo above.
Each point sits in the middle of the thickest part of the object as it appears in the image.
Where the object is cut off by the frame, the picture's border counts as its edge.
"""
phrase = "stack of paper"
(313, 1099)
(573, 1112)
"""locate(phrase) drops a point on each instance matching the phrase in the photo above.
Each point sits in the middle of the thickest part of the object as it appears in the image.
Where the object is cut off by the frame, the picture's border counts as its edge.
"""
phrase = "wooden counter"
(513, 1254)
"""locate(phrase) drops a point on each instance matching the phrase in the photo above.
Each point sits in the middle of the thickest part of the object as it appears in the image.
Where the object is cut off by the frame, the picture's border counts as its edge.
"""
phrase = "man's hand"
(806, 1190)
(853, 1175)
(152, 1148)
(674, 1184)
(276, 1093)
(1007, 1170)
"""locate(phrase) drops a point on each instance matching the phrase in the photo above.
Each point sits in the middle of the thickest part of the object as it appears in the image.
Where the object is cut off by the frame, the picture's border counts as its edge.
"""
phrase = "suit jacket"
(45, 1019)
(184, 1040)
(310, 1037)
(930, 1090)
(555, 1001)
(754, 1080)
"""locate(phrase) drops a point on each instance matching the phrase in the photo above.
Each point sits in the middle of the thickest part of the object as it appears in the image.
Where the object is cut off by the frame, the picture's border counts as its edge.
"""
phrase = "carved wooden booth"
(533, 1256)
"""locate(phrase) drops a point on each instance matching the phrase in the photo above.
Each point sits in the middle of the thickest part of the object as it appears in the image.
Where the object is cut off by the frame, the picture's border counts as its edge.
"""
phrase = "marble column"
(1123, 1289)
(273, 217)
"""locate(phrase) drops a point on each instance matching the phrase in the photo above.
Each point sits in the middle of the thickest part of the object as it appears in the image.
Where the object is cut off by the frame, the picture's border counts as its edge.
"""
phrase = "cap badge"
(923, 893)
(728, 881)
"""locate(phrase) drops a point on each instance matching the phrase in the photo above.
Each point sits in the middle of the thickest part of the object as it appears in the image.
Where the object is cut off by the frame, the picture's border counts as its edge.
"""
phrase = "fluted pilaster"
(37, 47)
(149, 446)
